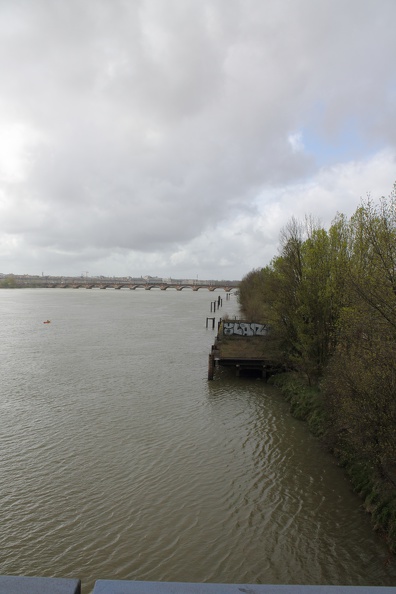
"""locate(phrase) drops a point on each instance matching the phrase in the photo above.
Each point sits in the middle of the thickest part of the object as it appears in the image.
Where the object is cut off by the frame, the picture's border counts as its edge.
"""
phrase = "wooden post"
(213, 322)
(210, 367)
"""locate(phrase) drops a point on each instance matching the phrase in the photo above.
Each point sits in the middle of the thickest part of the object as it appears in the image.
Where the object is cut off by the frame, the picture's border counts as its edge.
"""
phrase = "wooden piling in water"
(210, 366)
(213, 322)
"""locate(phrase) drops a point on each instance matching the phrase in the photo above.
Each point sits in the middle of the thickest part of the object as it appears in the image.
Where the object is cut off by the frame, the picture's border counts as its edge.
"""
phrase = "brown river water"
(119, 460)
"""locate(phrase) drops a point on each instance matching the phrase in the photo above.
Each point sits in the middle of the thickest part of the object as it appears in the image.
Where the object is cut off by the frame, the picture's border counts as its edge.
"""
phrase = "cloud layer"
(176, 138)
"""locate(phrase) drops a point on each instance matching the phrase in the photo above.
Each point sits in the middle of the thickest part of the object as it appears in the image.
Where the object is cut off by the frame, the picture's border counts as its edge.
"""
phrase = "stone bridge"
(147, 286)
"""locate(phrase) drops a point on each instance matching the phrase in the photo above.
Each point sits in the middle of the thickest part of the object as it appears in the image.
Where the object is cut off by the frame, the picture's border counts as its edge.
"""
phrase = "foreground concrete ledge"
(131, 587)
(39, 585)
(10, 584)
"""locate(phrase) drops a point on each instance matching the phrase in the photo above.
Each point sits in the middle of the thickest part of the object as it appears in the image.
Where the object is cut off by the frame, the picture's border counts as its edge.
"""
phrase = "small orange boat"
(47, 322)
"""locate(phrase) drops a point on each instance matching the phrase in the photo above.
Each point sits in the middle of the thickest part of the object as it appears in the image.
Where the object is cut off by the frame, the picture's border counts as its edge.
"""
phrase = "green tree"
(8, 282)
(253, 295)
(360, 385)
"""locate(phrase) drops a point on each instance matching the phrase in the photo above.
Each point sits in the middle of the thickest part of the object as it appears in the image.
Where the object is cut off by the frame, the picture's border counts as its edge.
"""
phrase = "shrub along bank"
(379, 495)
(330, 299)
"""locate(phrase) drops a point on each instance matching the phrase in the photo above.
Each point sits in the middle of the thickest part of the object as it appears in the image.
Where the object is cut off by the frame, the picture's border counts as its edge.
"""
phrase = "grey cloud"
(158, 120)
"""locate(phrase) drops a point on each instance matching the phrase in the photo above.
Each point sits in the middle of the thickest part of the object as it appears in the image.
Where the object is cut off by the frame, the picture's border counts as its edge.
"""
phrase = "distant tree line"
(330, 299)
(8, 282)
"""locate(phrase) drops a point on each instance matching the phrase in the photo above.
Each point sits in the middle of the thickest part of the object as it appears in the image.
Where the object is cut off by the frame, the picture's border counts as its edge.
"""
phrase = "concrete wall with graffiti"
(244, 329)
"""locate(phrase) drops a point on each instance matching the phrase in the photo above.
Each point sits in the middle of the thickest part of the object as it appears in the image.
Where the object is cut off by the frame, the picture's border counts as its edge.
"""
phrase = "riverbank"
(378, 493)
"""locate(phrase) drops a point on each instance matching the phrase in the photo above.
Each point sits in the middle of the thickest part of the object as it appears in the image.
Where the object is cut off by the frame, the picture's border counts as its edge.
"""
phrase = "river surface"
(119, 460)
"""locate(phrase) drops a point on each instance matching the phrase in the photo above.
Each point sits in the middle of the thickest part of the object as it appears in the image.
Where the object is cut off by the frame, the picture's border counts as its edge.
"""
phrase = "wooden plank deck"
(240, 347)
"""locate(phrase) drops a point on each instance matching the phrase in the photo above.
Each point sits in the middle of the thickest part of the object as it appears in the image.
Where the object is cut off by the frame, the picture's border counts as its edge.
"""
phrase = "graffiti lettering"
(244, 329)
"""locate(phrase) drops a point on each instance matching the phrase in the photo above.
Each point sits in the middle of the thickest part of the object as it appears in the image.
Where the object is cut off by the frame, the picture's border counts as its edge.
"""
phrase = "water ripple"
(119, 460)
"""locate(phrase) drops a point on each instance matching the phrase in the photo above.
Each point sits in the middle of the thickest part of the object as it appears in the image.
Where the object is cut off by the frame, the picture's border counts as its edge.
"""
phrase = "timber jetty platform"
(248, 347)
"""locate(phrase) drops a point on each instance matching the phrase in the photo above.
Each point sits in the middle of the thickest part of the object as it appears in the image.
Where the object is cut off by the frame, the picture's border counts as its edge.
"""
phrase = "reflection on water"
(119, 460)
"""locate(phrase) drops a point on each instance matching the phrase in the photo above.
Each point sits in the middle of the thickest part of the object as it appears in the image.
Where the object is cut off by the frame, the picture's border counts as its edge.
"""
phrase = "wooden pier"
(248, 347)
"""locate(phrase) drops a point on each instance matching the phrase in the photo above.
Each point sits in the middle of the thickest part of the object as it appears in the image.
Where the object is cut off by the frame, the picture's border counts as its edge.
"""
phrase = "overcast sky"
(177, 137)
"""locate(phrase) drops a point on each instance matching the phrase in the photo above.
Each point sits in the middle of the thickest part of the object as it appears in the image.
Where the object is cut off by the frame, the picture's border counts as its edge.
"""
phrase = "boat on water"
(47, 322)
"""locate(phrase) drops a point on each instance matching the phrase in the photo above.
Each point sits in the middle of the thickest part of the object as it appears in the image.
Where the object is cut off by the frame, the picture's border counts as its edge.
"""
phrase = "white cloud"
(137, 137)
(296, 141)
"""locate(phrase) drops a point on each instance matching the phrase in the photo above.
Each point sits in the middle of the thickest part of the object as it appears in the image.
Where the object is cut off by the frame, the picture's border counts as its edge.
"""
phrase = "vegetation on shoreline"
(8, 282)
(330, 298)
